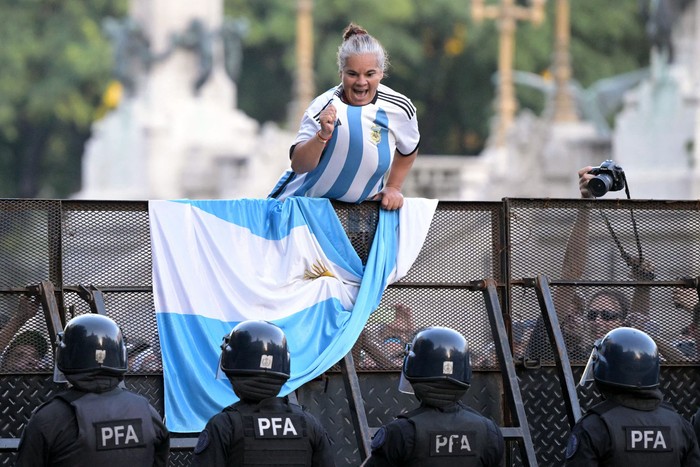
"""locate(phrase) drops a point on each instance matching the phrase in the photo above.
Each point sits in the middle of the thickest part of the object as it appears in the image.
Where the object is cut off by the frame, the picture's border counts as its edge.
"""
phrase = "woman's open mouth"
(360, 95)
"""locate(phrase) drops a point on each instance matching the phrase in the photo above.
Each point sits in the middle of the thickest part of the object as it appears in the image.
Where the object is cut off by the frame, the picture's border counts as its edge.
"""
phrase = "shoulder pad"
(379, 438)
(571, 445)
(202, 442)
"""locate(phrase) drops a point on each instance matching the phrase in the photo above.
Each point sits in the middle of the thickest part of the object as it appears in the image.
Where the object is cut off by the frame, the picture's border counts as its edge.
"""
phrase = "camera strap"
(625, 256)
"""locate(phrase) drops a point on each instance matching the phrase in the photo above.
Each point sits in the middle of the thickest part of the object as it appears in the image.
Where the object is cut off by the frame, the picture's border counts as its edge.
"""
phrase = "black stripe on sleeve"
(399, 101)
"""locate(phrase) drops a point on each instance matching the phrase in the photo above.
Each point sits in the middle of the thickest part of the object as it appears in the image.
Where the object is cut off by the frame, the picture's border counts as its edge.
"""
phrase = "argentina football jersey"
(360, 151)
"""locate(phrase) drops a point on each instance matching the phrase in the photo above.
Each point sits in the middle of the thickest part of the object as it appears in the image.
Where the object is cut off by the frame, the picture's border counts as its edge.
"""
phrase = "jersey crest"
(376, 134)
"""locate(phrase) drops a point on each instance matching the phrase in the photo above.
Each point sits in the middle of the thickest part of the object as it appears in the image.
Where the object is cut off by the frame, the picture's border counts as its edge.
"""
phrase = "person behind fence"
(442, 431)
(95, 421)
(632, 426)
(27, 308)
(261, 429)
(606, 309)
(355, 133)
(26, 352)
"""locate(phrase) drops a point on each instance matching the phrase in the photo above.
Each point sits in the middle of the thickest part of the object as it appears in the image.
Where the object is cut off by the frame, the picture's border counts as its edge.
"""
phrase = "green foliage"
(56, 63)
(604, 45)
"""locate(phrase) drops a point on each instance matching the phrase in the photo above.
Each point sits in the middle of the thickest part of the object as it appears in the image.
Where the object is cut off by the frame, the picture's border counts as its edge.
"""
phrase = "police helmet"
(90, 343)
(625, 358)
(255, 347)
(437, 354)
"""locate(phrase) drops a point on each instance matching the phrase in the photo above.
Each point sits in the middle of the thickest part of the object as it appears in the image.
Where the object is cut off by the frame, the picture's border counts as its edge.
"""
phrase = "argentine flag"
(217, 263)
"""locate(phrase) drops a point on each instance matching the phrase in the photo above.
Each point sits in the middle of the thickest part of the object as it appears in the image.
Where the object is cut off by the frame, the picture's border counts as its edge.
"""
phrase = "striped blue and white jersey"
(359, 154)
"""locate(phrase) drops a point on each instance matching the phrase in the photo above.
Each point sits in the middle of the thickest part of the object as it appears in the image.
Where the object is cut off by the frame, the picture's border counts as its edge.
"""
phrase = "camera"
(608, 177)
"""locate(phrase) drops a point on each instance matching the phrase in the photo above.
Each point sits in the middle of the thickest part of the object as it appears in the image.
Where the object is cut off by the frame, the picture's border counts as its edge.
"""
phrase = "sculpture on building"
(659, 17)
(133, 53)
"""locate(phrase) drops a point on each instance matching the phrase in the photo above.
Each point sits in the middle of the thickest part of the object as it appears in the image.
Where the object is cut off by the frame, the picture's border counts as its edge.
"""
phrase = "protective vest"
(446, 439)
(115, 428)
(643, 438)
(272, 435)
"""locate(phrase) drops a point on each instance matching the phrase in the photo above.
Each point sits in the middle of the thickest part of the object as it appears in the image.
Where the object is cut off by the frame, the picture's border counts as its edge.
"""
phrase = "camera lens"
(600, 184)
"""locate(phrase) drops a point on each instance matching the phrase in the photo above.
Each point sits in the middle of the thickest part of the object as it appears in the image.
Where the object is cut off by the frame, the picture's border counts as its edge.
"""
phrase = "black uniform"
(76, 428)
(696, 424)
(273, 432)
(455, 435)
(633, 431)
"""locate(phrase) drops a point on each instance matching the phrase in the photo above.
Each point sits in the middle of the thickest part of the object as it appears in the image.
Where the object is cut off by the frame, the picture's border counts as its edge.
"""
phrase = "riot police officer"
(261, 429)
(632, 426)
(95, 421)
(443, 431)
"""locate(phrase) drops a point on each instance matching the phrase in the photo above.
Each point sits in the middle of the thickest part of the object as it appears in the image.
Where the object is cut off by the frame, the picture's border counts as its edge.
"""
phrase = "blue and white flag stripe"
(217, 263)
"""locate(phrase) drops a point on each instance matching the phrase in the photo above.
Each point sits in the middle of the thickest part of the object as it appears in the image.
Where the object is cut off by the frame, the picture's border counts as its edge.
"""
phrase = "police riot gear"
(115, 428)
(446, 439)
(255, 348)
(438, 393)
(430, 436)
(260, 429)
(646, 438)
(76, 427)
(255, 358)
(94, 422)
(91, 343)
(271, 438)
(273, 432)
(436, 354)
(630, 430)
(632, 426)
(442, 431)
(625, 358)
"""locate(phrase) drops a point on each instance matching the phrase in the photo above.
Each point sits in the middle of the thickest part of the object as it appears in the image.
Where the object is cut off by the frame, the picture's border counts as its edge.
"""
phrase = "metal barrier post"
(357, 408)
(561, 357)
(520, 432)
(54, 318)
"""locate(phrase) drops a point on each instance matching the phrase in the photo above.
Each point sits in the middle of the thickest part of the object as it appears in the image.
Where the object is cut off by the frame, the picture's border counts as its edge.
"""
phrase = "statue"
(132, 50)
(596, 103)
(197, 39)
(232, 33)
(659, 17)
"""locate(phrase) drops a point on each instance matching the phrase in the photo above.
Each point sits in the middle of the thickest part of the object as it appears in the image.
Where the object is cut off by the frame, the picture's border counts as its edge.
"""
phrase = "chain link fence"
(634, 264)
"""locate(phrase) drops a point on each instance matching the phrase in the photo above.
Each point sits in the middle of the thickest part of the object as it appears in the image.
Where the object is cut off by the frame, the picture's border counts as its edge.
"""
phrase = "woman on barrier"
(354, 134)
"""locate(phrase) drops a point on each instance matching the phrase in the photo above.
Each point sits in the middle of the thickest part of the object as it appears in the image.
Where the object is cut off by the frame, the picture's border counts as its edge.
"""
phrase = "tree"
(56, 64)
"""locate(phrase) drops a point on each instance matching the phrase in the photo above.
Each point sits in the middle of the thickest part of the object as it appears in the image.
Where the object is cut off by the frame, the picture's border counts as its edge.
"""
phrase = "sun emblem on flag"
(376, 136)
(317, 270)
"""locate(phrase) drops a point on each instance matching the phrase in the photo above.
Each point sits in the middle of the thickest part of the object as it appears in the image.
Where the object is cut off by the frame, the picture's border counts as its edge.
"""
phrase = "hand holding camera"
(596, 182)
(607, 177)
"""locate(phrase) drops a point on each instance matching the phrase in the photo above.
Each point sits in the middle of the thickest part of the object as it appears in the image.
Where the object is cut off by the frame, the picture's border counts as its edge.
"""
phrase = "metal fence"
(79, 245)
